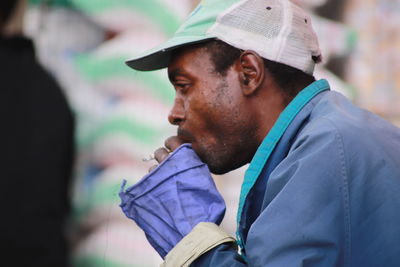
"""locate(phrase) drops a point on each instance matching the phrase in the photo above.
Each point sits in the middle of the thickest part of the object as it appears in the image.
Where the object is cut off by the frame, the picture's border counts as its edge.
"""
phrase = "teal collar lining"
(270, 141)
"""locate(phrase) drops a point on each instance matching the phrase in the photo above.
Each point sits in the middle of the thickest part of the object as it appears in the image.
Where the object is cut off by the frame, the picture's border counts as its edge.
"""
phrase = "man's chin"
(219, 170)
(214, 168)
(224, 168)
(214, 162)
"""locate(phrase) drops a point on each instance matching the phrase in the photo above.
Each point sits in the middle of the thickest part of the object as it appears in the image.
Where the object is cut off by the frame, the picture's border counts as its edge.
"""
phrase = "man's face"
(209, 110)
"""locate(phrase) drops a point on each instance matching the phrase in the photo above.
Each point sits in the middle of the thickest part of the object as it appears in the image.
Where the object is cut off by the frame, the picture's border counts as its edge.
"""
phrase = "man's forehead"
(187, 55)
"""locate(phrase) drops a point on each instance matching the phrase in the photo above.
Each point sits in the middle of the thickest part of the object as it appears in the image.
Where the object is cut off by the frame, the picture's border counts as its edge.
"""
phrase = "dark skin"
(224, 117)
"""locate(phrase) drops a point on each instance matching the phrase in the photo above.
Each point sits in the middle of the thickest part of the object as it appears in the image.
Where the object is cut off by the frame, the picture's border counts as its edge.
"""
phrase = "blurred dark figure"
(37, 152)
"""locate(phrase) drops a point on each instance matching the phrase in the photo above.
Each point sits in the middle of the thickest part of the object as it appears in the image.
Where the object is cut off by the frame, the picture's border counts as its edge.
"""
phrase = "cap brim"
(159, 57)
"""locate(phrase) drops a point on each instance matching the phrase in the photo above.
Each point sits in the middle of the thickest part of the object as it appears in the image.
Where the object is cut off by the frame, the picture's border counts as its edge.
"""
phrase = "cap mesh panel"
(238, 18)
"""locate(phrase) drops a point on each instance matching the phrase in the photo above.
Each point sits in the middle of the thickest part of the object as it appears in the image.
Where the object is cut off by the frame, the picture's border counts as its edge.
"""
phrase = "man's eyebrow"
(175, 72)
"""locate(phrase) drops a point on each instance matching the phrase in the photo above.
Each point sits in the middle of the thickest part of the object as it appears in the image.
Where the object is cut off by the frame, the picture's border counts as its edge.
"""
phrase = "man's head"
(235, 65)
(209, 110)
(227, 100)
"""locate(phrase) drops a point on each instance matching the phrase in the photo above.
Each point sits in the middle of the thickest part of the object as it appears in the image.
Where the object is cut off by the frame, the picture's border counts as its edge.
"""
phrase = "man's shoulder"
(335, 114)
(334, 121)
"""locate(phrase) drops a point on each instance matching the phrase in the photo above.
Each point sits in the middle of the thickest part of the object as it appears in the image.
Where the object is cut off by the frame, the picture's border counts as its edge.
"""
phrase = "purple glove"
(168, 202)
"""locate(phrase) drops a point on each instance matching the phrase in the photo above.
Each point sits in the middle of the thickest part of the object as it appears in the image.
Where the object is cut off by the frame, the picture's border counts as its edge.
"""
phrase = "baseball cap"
(278, 30)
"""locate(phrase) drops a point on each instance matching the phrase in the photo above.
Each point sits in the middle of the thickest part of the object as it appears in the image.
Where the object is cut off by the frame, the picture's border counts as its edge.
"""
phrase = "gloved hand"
(169, 201)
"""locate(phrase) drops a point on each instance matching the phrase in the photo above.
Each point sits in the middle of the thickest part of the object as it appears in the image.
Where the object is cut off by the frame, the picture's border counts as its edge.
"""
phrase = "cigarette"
(150, 157)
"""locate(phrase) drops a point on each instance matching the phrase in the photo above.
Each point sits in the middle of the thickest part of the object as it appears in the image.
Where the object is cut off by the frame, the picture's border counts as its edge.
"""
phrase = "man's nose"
(177, 113)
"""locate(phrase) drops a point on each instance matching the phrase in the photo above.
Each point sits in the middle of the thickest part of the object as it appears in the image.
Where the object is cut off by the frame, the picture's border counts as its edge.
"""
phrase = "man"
(37, 141)
(323, 184)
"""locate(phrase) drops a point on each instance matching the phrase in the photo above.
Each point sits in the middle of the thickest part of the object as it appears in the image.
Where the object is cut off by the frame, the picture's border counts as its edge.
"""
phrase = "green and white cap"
(277, 30)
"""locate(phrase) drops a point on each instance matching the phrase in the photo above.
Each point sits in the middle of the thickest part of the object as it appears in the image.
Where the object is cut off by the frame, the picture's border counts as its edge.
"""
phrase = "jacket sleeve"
(305, 218)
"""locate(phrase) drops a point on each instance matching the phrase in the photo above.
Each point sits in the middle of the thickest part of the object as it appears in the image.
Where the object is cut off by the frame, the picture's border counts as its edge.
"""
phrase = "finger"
(160, 154)
(152, 167)
(173, 142)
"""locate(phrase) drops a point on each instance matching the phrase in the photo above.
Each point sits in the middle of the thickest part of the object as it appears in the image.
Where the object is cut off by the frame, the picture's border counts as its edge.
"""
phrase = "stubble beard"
(229, 153)
(234, 144)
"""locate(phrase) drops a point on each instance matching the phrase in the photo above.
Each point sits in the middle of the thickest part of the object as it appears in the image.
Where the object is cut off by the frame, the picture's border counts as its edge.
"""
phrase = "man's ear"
(252, 71)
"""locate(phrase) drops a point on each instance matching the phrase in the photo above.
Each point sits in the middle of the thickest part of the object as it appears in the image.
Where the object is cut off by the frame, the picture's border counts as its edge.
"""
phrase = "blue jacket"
(322, 190)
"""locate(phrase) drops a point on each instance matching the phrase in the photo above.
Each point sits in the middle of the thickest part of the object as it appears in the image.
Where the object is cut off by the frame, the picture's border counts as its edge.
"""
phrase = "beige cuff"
(201, 239)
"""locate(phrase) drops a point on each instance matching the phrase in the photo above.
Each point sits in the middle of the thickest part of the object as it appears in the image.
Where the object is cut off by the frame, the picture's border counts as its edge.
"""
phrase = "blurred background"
(121, 114)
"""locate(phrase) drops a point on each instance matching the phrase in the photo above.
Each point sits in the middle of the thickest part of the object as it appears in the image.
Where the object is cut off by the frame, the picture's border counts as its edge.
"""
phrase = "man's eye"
(182, 86)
